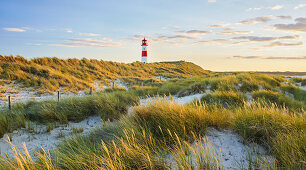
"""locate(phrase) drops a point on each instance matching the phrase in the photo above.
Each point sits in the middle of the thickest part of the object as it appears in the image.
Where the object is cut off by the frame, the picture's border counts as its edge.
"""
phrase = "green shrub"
(298, 80)
(11, 120)
(298, 93)
(279, 99)
(225, 98)
(107, 105)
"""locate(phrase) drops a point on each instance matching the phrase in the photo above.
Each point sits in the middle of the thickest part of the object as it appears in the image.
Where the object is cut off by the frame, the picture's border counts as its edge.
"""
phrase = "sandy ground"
(41, 138)
(226, 147)
(234, 154)
(19, 94)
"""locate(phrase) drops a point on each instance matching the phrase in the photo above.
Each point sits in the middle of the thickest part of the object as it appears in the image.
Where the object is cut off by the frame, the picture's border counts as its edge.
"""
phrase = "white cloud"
(234, 32)
(256, 20)
(254, 9)
(15, 29)
(213, 41)
(88, 42)
(277, 7)
(300, 6)
(69, 30)
(219, 25)
(89, 34)
(212, 1)
(198, 32)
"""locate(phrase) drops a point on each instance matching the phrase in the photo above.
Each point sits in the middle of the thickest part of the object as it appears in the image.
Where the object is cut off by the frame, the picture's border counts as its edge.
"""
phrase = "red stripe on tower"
(144, 54)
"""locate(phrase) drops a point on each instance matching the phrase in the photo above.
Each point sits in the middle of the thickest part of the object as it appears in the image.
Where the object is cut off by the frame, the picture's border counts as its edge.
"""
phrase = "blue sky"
(220, 35)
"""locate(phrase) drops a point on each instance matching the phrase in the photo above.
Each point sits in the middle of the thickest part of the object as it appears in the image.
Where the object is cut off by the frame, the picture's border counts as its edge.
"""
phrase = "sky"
(218, 35)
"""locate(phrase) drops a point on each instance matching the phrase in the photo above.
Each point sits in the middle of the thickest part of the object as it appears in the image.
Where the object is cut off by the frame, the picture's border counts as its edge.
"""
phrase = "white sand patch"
(226, 149)
(249, 97)
(302, 87)
(43, 139)
(235, 154)
(119, 83)
(161, 78)
(22, 94)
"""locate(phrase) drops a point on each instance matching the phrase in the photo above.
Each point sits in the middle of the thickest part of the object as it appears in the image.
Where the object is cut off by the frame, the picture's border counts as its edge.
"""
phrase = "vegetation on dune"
(225, 98)
(243, 82)
(256, 123)
(164, 130)
(278, 99)
(50, 74)
(298, 80)
(233, 89)
(109, 106)
(153, 136)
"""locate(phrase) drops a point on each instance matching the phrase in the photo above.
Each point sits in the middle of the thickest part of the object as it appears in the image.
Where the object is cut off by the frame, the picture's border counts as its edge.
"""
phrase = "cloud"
(172, 39)
(219, 25)
(215, 41)
(15, 29)
(228, 29)
(234, 32)
(284, 17)
(89, 34)
(211, 1)
(176, 39)
(270, 58)
(69, 30)
(276, 7)
(256, 20)
(256, 38)
(197, 32)
(88, 42)
(300, 25)
(254, 9)
(300, 6)
(278, 43)
(246, 39)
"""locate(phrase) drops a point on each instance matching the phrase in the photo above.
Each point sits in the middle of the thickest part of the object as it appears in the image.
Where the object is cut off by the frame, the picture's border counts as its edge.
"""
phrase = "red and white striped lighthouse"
(144, 51)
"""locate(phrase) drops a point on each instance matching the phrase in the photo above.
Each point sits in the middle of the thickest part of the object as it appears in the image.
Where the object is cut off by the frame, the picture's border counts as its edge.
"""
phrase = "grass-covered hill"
(265, 109)
(50, 74)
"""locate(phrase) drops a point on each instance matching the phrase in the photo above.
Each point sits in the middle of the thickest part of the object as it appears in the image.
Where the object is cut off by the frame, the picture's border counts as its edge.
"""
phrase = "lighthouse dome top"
(144, 42)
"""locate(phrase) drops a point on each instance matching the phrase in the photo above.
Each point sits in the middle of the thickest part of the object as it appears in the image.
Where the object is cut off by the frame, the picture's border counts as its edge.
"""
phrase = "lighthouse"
(144, 51)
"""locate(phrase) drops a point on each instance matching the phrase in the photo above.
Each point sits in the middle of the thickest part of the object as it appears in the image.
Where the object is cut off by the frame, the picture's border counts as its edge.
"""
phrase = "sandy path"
(46, 140)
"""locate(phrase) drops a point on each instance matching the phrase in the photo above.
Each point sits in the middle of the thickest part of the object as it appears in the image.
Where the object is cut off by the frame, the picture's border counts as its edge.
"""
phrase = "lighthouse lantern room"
(144, 51)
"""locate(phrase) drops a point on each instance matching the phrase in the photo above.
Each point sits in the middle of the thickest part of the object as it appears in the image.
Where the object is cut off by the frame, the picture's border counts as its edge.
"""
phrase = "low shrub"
(225, 98)
(279, 99)
(298, 93)
(108, 105)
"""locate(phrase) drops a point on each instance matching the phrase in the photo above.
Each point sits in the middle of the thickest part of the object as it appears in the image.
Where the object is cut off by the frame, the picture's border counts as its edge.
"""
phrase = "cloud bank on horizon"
(205, 32)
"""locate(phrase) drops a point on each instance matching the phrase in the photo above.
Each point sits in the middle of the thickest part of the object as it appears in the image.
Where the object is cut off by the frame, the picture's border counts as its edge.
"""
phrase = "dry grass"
(49, 74)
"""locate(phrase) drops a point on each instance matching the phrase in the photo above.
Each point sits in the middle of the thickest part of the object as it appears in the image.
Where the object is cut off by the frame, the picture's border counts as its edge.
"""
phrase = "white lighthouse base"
(144, 59)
